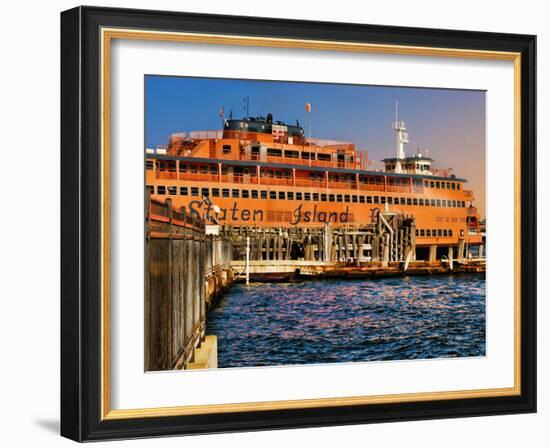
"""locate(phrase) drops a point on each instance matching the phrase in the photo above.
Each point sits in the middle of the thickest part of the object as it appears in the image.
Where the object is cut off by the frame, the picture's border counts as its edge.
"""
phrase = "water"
(350, 320)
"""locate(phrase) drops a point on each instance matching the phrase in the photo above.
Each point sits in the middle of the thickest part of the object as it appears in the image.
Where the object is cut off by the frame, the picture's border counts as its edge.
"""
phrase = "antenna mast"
(401, 138)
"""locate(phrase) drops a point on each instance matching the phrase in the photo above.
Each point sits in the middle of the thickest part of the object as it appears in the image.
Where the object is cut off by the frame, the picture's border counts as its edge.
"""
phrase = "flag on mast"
(222, 112)
(308, 107)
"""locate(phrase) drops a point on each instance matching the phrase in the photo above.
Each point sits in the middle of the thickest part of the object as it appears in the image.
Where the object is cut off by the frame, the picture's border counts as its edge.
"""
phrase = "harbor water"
(329, 321)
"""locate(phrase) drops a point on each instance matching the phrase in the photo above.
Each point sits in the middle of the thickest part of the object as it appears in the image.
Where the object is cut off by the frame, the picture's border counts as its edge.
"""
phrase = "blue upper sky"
(449, 123)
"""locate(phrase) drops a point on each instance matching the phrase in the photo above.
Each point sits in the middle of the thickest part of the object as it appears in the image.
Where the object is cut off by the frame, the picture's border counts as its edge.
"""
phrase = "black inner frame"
(81, 223)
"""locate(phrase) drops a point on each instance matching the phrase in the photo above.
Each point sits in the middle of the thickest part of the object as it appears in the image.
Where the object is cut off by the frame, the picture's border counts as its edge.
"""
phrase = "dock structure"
(390, 237)
(186, 269)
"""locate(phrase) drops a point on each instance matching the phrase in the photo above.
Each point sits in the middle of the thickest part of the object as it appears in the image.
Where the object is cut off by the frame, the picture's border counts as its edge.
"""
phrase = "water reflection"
(343, 321)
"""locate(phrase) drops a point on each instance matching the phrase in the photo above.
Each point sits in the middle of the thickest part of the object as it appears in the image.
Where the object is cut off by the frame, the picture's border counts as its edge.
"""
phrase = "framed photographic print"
(275, 224)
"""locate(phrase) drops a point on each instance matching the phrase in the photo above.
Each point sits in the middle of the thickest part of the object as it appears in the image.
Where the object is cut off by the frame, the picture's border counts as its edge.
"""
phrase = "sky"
(450, 124)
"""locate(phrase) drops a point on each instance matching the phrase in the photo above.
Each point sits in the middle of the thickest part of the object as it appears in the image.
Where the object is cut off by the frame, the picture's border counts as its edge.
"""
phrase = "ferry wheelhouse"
(261, 172)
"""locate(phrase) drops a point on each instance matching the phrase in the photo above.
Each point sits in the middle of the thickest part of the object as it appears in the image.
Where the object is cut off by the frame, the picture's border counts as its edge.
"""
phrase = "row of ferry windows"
(434, 232)
(212, 169)
(299, 196)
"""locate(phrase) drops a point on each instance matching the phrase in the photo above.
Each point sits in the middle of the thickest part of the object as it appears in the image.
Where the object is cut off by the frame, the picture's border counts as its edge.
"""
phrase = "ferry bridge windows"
(225, 192)
(291, 154)
(324, 157)
(263, 194)
(216, 192)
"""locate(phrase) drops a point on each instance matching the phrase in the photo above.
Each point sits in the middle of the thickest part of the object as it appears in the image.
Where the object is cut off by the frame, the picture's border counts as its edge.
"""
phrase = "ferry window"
(273, 152)
(383, 199)
(376, 199)
(331, 198)
(362, 199)
(339, 198)
(193, 168)
(415, 201)
(149, 164)
(421, 202)
(308, 155)
(438, 202)
(161, 189)
(416, 232)
(194, 191)
(224, 169)
(254, 194)
(428, 232)
(390, 200)
(246, 194)
(183, 168)
(347, 198)
(272, 195)
(458, 186)
(213, 169)
(454, 203)
(450, 232)
(453, 186)
(369, 199)
(307, 196)
(225, 192)
(443, 203)
(216, 192)
(234, 193)
(299, 196)
(291, 154)
(426, 184)
(432, 184)
(354, 198)
(463, 204)
(432, 202)
(151, 189)
(448, 185)
(434, 232)
(402, 201)
(226, 149)
(323, 197)
(444, 232)
(439, 232)
(281, 194)
(409, 201)
(263, 194)
(324, 157)
(184, 191)
(205, 192)
(315, 196)
(204, 169)
(437, 184)
(422, 232)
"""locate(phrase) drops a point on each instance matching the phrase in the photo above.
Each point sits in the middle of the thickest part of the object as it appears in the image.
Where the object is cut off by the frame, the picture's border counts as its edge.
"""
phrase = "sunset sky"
(450, 124)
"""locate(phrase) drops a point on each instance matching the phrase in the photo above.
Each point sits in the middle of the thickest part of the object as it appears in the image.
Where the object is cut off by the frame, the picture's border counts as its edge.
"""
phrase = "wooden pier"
(186, 269)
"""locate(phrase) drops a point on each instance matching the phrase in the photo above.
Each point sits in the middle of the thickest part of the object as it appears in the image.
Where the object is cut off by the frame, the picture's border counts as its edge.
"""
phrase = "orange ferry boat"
(261, 172)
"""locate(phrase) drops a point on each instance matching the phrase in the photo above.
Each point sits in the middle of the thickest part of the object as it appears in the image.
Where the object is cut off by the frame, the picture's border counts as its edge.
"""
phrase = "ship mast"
(401, 138)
